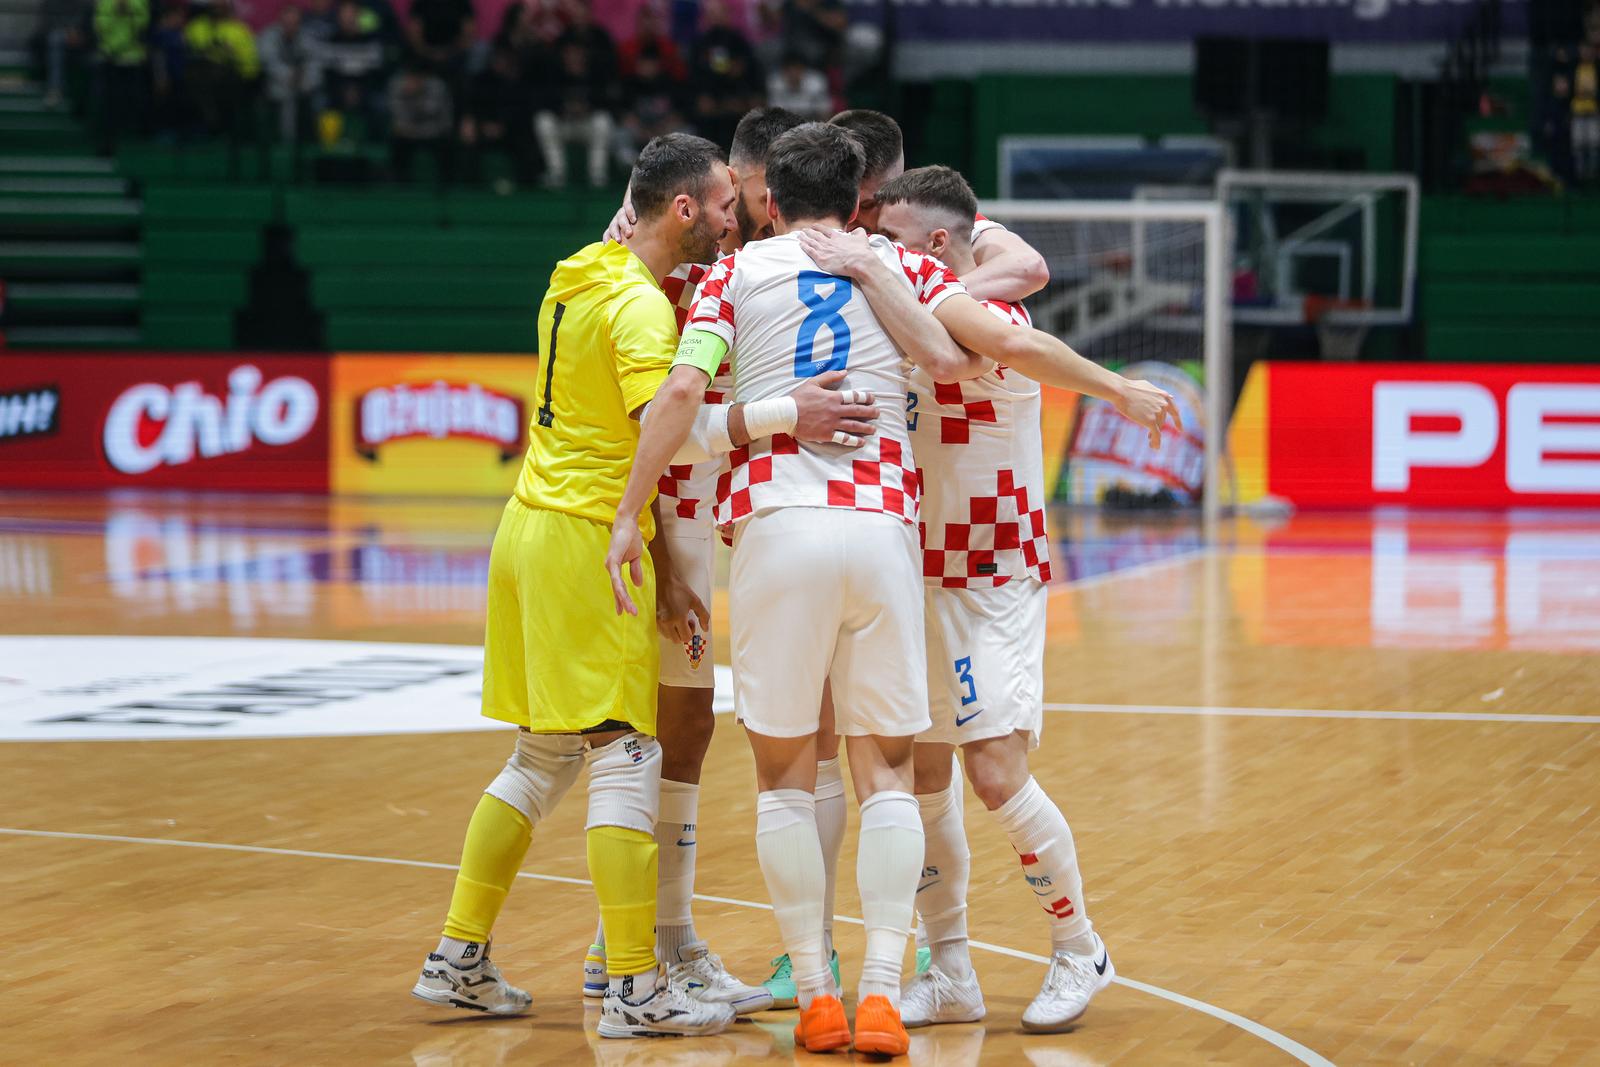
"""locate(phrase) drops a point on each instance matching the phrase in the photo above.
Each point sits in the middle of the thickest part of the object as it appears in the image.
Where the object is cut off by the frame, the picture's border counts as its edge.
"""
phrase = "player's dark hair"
(939, 188)
(671, 164)
(814, 172)
(879, 136)
(753, 137)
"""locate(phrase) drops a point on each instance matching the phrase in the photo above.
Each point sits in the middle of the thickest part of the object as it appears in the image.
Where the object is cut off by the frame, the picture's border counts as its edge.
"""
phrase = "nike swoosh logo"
(1100, 965)
(685, 844)
(962, 722)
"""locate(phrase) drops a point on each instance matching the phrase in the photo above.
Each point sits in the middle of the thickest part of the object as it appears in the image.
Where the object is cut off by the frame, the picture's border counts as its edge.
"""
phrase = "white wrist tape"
(777, 414)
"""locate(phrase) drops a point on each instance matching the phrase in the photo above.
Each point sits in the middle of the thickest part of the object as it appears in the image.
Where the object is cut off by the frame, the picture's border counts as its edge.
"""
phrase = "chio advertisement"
(80, 420)
(1447, 435)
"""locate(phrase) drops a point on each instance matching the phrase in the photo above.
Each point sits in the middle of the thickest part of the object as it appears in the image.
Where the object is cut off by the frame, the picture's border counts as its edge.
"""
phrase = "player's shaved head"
(814, 172)
(880, 139)
(671, 165)
(939, 192)
(753, 137)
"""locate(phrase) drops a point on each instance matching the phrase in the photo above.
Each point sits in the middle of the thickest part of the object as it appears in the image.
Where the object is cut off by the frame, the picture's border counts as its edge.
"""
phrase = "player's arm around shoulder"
(1008, 267)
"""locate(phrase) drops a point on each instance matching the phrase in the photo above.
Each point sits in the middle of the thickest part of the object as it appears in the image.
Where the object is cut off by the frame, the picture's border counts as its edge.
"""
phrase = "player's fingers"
(681, 632)
(703, 615)
(1172, 409)
(636, 572)
(849, 441)
(857, 427)
(858, 411)
(1155, 439)
(855, 396)
(829, 379)
(619, 594)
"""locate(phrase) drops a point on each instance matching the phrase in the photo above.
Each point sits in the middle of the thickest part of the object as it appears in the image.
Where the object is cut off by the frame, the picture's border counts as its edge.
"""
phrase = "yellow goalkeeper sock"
(497, 839)
(622, 865)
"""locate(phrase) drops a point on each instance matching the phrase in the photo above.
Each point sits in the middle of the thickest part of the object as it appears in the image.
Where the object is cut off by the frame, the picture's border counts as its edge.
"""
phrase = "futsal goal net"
(1143, 287)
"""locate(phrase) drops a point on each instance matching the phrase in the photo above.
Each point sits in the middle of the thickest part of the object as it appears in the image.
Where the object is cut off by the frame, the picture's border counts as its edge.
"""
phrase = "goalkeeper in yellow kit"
(579, 679)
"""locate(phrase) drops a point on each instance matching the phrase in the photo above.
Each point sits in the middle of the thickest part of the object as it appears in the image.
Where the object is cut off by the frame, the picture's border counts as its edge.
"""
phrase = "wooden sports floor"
(1335, 782)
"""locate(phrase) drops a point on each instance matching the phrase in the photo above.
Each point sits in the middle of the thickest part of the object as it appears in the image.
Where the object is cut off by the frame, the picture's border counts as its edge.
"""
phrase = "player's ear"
(772, 207)
(684, 204)
(850, 223)
(939, 243)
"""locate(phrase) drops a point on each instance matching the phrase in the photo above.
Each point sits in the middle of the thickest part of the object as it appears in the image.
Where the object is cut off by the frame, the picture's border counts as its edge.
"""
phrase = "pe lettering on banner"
(1551, 433)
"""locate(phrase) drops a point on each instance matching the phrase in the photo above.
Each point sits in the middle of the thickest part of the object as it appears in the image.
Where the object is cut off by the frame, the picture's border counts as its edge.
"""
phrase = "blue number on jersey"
(824, 312)
(911, 412)
(964, 676)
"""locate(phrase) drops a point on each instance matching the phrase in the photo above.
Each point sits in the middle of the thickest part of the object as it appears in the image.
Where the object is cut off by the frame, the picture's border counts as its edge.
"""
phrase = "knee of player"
(997, 780)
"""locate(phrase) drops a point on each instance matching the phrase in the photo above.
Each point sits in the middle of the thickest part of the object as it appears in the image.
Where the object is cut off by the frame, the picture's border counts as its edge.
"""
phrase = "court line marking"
(1318, 713)
(1133, 570)
(1249, 1026)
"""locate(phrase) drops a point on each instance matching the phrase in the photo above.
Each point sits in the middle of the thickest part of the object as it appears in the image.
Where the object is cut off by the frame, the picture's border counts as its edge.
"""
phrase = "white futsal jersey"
(980, 459)
(687, 490)
(784, 320)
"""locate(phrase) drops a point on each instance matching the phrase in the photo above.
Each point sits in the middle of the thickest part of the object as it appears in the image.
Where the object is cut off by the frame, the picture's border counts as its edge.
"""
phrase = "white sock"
(942, 893)
(1039, 833)
(830, 831)
(791, 862)
(461, 953)
(675, 845)
(600, 933)
(634, 986)
(888, 860)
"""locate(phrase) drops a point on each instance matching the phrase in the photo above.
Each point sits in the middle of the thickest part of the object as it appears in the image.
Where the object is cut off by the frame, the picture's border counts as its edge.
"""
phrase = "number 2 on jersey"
(825, 308)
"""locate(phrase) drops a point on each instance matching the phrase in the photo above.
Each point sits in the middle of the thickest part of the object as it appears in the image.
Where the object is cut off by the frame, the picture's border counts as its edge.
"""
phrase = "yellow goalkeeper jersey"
(607, 336)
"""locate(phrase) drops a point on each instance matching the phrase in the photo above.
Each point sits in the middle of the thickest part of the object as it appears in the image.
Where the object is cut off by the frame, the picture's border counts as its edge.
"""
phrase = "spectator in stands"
(815, 31)
(223, 68)
(653, 103)
(353, 71)
(172, 115)
(420, 119)
(320, 19)
(724, 76)
(799, 88)
(1555, 126)
(579, 99)
(1586, 115)
(649, 36)
(60, 35)
(119, 27)
(441, 33)
(293, 65)
(499, 114)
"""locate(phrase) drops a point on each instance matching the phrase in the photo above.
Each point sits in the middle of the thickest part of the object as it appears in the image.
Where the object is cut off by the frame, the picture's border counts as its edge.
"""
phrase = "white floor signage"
(168, 688)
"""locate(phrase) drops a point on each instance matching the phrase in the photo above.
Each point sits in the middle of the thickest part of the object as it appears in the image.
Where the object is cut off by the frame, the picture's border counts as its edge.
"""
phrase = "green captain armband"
(702, 350)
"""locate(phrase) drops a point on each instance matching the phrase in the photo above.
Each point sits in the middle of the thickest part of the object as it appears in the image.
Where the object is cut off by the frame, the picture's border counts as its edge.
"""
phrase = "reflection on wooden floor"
(1420, 886)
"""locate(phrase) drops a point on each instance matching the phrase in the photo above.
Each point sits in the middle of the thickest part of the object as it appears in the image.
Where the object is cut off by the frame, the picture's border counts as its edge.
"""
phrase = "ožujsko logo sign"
(153, 425)
(438, 410)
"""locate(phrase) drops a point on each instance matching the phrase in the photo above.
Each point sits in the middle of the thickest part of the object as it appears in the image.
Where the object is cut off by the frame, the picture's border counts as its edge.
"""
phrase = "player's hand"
(627, 549)
(622, 222)
(678, 609)
(1150, 407)
(832, 415)
(838, 252)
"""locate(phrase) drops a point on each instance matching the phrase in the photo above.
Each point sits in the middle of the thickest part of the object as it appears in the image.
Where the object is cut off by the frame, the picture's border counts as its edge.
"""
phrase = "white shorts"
(827, 594)
(692, 548)
(986, 661)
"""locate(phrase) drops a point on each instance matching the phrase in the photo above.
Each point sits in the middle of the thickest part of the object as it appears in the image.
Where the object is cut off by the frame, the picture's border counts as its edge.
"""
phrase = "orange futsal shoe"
(878, 1028)
(823, 1027)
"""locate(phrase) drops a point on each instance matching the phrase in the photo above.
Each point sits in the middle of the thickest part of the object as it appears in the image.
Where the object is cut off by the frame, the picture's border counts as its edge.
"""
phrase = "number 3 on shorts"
(964, 676)
(825, 295)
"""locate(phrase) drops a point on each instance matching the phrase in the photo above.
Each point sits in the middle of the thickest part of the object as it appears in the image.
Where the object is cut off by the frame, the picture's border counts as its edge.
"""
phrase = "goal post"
(1140, 281)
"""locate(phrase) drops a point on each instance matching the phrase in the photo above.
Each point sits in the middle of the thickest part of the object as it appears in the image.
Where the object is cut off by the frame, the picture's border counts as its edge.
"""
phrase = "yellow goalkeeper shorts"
(557, 658)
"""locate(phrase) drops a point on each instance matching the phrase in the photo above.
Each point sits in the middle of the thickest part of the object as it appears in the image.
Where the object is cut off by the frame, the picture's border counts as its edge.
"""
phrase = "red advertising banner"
(226, 421)
(1449, 435)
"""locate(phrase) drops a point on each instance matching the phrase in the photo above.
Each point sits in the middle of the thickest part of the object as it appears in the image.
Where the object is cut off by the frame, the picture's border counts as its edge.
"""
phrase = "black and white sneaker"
(664, 1010)
(476, 985)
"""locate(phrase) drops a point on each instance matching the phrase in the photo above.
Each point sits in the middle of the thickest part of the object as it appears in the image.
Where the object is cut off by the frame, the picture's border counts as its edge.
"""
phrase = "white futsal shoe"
(702, 975)
(476, 986)
(933, 997)
(663, 1010)
(1069, 985)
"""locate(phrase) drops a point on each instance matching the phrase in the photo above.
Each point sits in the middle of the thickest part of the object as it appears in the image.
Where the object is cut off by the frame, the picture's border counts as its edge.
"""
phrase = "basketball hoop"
(1339, 333)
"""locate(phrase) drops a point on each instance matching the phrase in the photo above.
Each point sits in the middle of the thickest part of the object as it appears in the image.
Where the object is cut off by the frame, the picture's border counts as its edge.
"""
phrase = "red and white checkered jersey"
(980, 226)
(688, 490)
(785, 320)
(980, 458)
